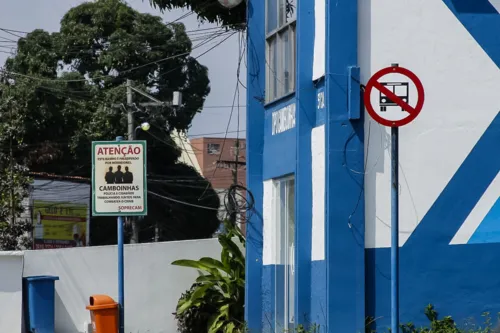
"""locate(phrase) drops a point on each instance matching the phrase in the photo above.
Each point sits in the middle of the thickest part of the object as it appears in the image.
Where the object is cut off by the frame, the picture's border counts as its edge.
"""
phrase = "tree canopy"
(209, 10)
(66, 89)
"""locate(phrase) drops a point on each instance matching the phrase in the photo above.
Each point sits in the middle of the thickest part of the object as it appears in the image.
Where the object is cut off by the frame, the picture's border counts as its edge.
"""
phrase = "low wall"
(11, 272)
(152, 284)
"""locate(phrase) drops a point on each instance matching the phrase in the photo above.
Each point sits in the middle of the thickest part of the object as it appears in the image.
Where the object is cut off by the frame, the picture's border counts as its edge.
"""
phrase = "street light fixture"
(145, 126)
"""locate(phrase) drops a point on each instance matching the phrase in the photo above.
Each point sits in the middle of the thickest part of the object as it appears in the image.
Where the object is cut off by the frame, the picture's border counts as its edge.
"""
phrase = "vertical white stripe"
(319, 39)
(318, 193)
(268, 228)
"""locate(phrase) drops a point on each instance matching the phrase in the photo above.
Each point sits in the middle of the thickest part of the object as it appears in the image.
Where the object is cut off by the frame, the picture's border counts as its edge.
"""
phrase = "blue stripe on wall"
(318, 312)
(461, 195)
(267, 293)
(320, 109)
(482, 21)
(282, 145)
(489, 229)
(431, 270)
(306, 119)
(255, 143)
(345, 198)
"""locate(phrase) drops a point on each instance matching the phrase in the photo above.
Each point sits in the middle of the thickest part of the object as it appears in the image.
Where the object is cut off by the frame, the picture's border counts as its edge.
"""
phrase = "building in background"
(188, 155)
(223, 164)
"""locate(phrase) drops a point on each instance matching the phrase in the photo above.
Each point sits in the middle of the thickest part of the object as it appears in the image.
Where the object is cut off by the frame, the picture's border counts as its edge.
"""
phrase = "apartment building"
(218, 158)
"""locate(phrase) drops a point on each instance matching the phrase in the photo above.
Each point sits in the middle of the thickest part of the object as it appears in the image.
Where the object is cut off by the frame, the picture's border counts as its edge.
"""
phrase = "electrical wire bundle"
(237, 202)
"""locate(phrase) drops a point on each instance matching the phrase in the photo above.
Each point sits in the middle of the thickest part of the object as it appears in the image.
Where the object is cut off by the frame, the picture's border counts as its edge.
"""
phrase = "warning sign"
(119, 183)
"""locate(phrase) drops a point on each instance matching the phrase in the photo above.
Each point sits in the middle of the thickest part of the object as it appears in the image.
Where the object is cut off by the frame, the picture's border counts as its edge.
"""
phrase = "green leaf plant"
(441, 325)
(215, 302)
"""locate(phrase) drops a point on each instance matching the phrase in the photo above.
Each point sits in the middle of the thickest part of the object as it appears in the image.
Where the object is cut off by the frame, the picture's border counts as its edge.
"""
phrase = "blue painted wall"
(254, 293)
(352, 283)
(306, 102)
(460, 280)
(339, 304)
(344, 188)
(282, 145)
(271, 156)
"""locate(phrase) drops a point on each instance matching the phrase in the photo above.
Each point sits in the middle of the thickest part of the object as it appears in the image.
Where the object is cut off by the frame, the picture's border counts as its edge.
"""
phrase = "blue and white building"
(319, 167)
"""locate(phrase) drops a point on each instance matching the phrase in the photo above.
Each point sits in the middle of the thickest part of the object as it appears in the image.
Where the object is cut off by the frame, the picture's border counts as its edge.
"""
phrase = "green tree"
(14, 184)
(209, 10)
(68, 83)
(212, 11)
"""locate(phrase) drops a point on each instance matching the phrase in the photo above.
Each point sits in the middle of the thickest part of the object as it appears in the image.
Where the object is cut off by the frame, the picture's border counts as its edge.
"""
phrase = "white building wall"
(461, 84)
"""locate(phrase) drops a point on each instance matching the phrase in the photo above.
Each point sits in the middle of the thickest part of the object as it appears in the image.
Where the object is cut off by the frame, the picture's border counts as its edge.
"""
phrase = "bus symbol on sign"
(400, 89)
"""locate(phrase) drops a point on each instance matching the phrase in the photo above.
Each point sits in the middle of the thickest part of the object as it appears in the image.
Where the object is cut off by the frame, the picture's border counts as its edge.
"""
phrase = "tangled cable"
(236, 200)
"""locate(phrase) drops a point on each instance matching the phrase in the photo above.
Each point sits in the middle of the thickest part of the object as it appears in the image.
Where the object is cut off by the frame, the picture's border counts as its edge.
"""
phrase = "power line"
(221, 106)
(215, 133)
(240, 56)
(198, 56)
(182, 202)
(128, 70)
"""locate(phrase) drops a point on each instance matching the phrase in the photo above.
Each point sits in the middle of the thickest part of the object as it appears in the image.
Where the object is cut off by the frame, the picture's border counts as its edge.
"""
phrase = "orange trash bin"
(103, 314)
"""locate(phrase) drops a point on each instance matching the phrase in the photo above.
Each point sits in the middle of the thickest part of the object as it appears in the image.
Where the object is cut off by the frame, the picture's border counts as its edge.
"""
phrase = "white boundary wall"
(152, 284)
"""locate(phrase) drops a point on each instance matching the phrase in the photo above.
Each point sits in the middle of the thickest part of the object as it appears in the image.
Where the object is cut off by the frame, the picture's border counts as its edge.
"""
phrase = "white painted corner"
(318, 192)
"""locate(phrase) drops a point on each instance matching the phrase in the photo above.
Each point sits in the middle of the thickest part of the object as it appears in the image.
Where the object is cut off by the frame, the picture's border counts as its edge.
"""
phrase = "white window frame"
(285, 253)
(278, 73)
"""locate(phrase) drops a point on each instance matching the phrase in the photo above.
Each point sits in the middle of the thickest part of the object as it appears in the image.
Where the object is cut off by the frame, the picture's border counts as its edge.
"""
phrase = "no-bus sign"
(394, 96)
(119, 184)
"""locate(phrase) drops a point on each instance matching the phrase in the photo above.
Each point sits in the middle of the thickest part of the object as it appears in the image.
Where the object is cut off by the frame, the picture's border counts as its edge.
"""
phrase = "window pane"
(213, 148)
(291, 251)
(280, 277)
(283, 224)
(291, 10)
(284, 201)
(290, 205)
(293, 53)
(272, 15)
(282, 12)
(287, 70)
(272, 66)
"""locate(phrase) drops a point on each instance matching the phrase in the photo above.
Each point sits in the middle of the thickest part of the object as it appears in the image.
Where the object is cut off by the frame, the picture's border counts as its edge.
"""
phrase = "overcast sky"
(27, 15)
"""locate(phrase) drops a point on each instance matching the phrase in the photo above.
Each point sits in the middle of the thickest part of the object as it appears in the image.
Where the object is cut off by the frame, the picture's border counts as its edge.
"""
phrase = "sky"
(222, 61)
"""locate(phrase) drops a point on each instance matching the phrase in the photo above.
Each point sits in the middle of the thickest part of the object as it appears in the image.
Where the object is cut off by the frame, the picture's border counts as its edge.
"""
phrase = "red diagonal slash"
(405, 106)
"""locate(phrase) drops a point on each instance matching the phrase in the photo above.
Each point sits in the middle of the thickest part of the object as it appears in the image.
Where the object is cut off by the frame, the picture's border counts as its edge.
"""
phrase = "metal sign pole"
(121, 287)
(394, 230)
(121, 282)
(393, 98)
(119, 193)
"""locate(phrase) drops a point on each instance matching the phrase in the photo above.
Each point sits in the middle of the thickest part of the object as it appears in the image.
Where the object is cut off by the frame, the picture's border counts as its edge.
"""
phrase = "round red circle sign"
(391, 96)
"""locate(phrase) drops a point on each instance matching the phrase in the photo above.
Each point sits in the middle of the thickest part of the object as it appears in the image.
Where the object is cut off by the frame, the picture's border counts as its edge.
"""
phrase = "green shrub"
(215, 302)
(444, 325)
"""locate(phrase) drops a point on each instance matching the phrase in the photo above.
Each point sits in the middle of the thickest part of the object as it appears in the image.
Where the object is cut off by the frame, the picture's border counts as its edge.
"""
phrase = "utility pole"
(233, 202)
(134, 239)
(233, 165)
(176, 101)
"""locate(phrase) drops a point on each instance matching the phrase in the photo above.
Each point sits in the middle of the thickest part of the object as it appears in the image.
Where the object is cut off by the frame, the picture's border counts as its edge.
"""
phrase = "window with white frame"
(213, 148)
(284, 217)
(280, 47)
